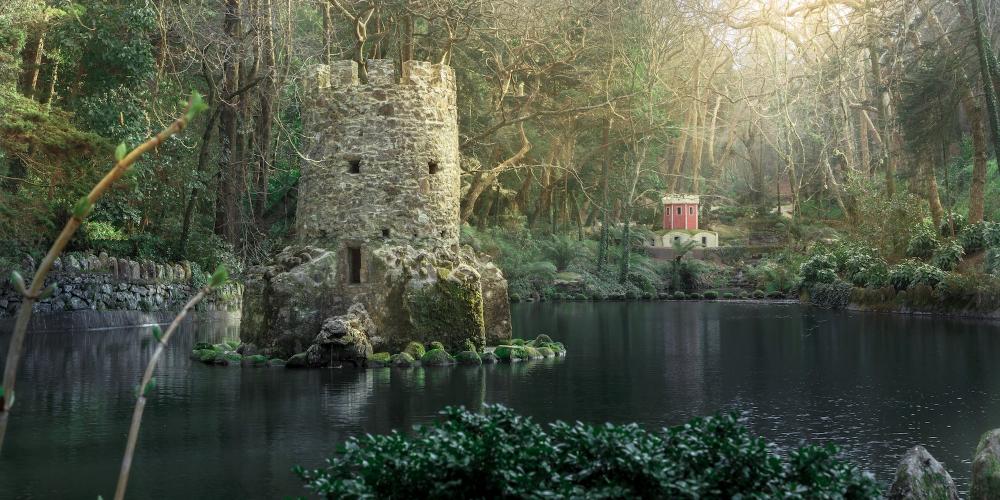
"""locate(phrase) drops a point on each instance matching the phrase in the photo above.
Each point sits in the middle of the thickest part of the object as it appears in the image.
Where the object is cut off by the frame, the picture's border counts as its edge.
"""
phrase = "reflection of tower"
(384, 156)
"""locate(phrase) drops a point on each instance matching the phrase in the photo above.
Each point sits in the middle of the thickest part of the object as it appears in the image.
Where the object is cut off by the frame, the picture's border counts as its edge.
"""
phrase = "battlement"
(343, 74)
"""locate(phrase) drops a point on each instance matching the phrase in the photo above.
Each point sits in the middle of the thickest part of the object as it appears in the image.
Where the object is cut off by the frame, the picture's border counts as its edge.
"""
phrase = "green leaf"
(157, 333)
(18, 282)
(150, 386)
(49, 291)
(220, 276)
(83, 208)
(195, 106)
(121, 151)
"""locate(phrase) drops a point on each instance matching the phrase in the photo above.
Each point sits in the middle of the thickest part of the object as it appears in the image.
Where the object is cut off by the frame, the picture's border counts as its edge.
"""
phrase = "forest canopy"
(573, 114)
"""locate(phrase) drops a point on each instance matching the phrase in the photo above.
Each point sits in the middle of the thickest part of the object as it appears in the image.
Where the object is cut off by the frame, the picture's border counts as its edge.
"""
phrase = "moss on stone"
(546, 352)
(532, 353)
(403, 359)
(437, 357)
(450, 308)
(276, 362)
(517, 342)
(468, 358)
(233, 357)
(488, 358)
(382, 357)
(300, 360)
(435, 345)
(204, 355)
(415, 350)
(256, 359)
(511, 353)
(201, 346)
(232, 344)
(471, 346)
(541, 340)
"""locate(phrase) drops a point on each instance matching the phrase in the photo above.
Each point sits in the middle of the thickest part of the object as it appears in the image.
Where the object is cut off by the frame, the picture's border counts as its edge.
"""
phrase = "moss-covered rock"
(471, 346)
(204, 355)
(986, 468)
(378, 360)
(488, 358)
(541, 340)
(255, 359)
(198, 346)
(517, 342)
(275, 362)
(921, 477)
(511, 353)
(468, 358)
(437, 357)
(435, 345)
(231, 344)
(299, 360)
(415, 350)
(449, 308)
(403, 360)
(546, 352)
(557, 347)
(532, 353)
(344, 338)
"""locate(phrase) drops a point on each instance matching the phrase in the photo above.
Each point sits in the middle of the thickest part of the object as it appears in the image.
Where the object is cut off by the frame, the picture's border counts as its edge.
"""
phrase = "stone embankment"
(102, 283)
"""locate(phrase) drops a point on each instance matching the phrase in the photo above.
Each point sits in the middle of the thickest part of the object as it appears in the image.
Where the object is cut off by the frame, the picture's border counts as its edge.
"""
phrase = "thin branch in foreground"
(81, 211)
(148, 382)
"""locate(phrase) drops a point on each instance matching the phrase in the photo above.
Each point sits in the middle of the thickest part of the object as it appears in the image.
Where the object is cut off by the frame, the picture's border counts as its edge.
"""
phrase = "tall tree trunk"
(931, 187)
(679, 149)
(977, 187)
(982, 45)
(267, 92)
(602, 247)
(227, 211)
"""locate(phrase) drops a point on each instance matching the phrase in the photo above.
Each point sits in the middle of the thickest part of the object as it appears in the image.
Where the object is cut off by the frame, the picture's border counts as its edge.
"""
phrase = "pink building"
(680, 212)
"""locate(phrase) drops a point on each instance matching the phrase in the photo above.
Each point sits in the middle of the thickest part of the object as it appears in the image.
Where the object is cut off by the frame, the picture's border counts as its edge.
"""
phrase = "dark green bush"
(728, 295)
(901, 275)
(711, 295)
(499, 454)
(820, 268)
(923, 242)
(679, 295)
(775, 295)
(834, 295)
(948, 219)
(928, 275)
(948, 255)
(695, 296)
(759, 294)
(973, 237)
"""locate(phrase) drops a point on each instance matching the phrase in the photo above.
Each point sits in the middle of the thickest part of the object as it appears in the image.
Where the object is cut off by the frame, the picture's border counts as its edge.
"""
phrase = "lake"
(875, 384)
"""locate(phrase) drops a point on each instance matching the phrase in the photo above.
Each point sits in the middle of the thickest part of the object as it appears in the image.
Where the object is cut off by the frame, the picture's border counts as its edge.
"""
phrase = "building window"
(704, 241)
(354, 166)
(677, 238)
(691, 210)
(432, 167)
(679, 211)
(354, 264)
(385, 233)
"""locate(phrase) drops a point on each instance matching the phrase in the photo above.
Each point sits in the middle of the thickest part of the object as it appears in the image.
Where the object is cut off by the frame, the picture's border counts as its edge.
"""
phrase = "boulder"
(346, 337)
(299, 360)
(402, 360)
(437, 357)
(415, 350)
(468, 358)
(449, 308)
(921, 477)
(986, 468)
(488, 358)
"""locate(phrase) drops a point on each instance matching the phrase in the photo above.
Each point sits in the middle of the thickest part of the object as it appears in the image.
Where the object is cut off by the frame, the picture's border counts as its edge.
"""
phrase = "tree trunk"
(267, 92)
(602, 247)
(227, 211)
(931, 186)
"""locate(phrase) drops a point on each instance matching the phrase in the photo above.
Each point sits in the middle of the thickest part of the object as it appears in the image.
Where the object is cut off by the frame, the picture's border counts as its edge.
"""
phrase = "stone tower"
(384, 156)
(378, 262)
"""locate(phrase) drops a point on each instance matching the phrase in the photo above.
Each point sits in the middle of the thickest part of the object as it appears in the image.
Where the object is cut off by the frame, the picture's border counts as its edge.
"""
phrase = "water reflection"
(876, 384)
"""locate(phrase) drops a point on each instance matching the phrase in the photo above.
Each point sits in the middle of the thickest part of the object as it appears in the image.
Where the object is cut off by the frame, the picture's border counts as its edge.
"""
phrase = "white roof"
(680, 198)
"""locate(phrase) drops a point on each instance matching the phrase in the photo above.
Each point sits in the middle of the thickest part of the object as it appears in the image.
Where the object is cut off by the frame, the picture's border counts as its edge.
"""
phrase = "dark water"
(874, 383)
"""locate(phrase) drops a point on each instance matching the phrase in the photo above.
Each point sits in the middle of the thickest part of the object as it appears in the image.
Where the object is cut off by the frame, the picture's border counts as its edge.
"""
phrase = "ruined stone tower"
(379, 262)
(384, 156)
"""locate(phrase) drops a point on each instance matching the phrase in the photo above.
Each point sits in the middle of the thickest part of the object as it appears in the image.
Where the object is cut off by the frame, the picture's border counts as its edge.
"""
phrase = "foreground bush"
(499, 454)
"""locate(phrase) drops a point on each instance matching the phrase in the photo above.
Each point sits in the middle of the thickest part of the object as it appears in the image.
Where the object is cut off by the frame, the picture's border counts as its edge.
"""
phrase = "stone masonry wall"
(103, 283)
(382, 163)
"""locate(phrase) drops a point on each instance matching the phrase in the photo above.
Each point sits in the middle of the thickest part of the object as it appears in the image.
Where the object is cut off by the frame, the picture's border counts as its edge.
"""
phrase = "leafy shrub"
(728, 295)
(956, 291)
(759, 294)
(820, 268)
(948, 255)
(953, 218)
(775, 295)
(696, 296)
(679, 295)
(991, 234)
(901, 275)
(973, 237)
(711, 295)
(993, 261)
(927, 275)
(865, 268)
(834, 295)
(923, 242)
(499, 454)
(771, 275)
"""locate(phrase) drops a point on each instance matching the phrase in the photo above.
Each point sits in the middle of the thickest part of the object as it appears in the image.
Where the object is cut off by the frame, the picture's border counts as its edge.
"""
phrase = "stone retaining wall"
(103, 283)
